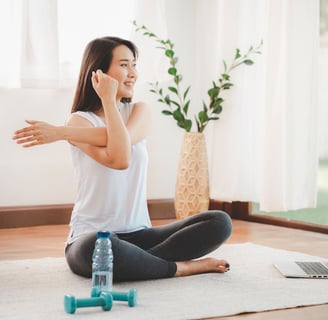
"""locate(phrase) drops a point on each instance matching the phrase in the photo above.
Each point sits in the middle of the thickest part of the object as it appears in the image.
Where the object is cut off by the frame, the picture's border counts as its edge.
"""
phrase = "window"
(318, 215)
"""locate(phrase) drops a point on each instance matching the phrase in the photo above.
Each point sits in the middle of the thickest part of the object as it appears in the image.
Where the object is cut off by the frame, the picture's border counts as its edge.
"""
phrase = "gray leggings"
(151, 253)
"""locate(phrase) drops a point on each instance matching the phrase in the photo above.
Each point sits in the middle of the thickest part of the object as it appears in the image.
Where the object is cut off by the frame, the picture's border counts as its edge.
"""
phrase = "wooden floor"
(48, 241)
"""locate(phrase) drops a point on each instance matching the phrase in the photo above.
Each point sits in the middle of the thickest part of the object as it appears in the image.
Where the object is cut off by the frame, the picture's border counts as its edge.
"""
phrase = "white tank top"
(109, 199)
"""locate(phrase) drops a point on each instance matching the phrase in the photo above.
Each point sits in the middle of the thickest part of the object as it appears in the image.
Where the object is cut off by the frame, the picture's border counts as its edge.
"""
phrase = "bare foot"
(205, 265)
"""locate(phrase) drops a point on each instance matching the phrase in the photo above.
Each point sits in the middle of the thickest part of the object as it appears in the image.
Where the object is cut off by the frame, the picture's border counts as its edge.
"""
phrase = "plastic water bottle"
(102, 263)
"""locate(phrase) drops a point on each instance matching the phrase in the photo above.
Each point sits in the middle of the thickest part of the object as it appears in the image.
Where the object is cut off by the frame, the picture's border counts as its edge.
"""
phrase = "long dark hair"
(97, 55)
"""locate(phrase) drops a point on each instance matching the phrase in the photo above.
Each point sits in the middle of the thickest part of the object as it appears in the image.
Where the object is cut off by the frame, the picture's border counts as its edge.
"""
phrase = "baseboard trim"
(37, 215)
(29, 216)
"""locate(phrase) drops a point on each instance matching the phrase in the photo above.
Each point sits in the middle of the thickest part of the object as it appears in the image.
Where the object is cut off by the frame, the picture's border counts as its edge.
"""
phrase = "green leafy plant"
(178, 106)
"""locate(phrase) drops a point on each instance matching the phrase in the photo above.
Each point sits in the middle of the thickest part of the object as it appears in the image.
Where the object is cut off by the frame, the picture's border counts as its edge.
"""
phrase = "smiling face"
(123, 69)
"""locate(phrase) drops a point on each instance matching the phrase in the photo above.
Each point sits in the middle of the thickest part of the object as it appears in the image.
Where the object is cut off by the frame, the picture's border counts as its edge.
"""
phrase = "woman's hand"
(104, 85)
(36, 133)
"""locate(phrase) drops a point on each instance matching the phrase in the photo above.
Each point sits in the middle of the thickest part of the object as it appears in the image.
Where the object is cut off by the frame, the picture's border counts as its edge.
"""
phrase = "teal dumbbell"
(104, 300)
(130, 297)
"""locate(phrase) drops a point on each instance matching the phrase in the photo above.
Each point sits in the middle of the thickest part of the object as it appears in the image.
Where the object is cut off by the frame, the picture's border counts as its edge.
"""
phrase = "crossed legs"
(159, 252)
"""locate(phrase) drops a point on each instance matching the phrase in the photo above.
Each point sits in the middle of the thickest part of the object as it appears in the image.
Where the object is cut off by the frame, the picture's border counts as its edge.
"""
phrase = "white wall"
(44, 174)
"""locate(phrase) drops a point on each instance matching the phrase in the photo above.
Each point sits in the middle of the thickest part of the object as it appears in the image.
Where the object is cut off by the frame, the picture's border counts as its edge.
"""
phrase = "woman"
(107, 136)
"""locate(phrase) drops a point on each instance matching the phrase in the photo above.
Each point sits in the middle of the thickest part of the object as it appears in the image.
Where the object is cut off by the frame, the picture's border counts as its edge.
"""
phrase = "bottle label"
(102, 280)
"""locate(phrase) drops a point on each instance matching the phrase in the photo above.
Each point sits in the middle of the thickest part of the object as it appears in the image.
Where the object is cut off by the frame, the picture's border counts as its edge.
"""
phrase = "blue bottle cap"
(103, 234)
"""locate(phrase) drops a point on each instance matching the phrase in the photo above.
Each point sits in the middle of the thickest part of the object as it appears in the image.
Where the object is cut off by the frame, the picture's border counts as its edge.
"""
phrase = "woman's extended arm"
(39, 132)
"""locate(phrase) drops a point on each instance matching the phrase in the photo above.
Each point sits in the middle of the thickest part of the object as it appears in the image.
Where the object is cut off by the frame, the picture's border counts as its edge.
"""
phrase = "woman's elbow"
(120, 163)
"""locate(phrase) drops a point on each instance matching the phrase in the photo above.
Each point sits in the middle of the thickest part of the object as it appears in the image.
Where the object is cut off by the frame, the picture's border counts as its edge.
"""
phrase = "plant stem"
(208, 113)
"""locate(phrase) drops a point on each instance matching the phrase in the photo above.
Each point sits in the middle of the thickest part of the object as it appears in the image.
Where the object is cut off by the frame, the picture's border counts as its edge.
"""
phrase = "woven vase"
(192, 185)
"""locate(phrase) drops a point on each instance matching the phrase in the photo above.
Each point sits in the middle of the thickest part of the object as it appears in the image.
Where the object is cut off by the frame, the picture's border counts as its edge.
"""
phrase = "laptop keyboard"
(314, 268)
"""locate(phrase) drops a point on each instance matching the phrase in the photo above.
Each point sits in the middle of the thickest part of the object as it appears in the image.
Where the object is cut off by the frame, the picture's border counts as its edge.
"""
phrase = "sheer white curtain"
(264, 147)
(323, 101)
(152, 63)
(43, 40)
(39, 55)
(10, 34)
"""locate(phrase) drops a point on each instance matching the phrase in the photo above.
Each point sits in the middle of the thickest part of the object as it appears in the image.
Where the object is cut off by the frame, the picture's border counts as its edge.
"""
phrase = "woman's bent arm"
(117, 152)
(139, 122)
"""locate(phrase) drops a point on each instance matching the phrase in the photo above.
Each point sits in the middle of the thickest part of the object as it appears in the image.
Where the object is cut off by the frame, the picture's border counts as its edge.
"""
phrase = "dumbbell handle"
(90, 302)
(119, 296)
(104, 300)
(130, 297)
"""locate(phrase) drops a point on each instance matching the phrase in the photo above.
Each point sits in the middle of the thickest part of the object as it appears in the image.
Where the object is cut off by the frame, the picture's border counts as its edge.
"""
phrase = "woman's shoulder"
(82, 118)
(83, 114)
(131, 105)
(128, 108)
(140, 106)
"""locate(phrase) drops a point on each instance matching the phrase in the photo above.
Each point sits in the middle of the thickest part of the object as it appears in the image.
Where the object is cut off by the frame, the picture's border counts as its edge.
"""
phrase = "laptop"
(303, 269)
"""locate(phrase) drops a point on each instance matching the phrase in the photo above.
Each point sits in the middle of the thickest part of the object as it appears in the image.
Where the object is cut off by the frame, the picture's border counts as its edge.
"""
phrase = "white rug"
(34, 289)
